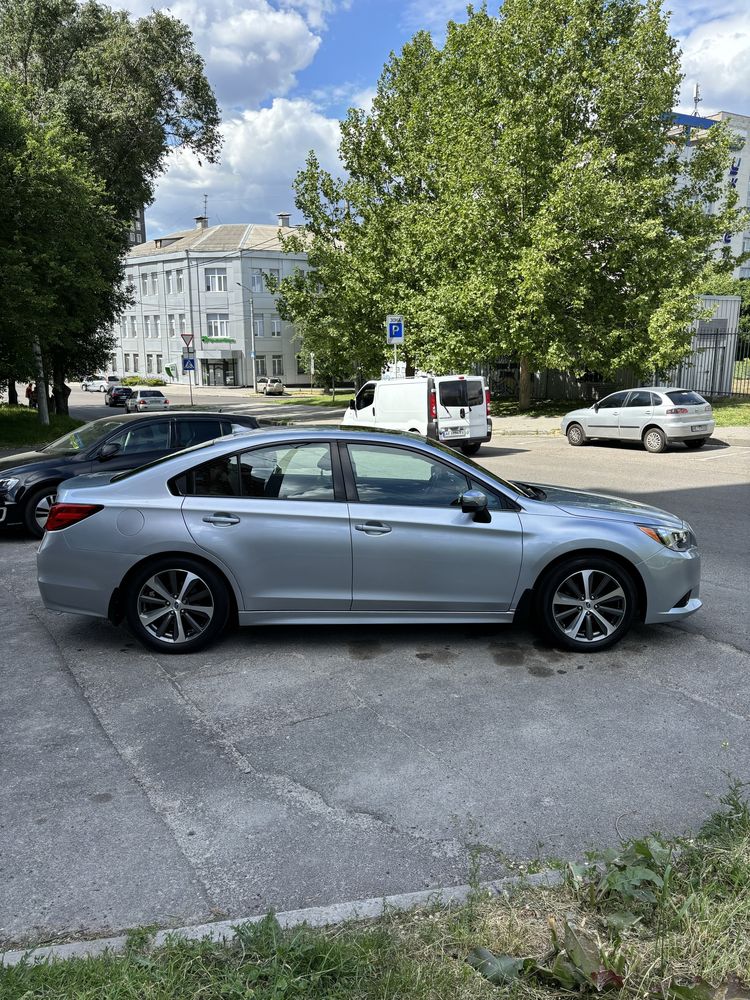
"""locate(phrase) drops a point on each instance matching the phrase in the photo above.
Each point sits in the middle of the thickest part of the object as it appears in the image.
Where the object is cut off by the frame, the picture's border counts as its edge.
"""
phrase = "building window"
(123, 328)
(147, 326)
(159, 367)
(258, 326)
(746, 244)
(169, 280)
(274, 272)
(157, 325)
(129, 283)
(144, 284)
(260, 365)
(256, 280)
(275, 326)
(216, 279)
(149, 364)
(300, 365)
(133, 327)
(126, 362)
(171, 325)
(183, 326)
(277, 364)
(136, 363)
(178, 280)
(217, 324)
(154, 283)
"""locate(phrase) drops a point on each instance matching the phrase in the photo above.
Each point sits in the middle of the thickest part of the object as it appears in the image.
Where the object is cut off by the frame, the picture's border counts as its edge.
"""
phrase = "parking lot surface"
(289, 767)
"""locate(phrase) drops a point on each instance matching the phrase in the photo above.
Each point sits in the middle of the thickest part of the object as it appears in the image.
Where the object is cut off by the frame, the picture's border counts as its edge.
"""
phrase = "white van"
(452, 409)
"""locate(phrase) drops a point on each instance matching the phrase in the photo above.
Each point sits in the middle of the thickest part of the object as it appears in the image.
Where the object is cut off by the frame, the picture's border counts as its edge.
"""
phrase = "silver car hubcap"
(41, 511)
(653, 441)
(589, 606)
(175, 606)
(575, 434)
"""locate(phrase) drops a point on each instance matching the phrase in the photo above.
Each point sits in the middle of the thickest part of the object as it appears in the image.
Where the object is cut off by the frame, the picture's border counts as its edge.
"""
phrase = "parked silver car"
(653, 415)
(288, 525)
(146, 399)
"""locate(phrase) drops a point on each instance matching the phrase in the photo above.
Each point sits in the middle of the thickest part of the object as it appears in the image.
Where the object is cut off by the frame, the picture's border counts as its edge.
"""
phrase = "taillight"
(166, 402)
(487, 400)
(141, 402)
(433, 405)
(678, 409)
(62, 515)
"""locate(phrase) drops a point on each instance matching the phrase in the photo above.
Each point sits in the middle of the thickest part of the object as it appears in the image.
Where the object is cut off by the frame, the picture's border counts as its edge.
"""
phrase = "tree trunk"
(333, 390)
(524, 384)
(12, 394)
(41, 384)
(58, 387)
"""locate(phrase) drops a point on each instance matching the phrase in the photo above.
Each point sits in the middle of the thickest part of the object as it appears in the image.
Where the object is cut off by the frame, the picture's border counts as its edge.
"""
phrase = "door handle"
(221, 518)
(373, 528)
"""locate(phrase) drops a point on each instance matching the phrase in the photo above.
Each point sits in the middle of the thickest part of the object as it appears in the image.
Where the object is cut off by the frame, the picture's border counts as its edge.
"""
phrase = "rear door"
(413, 548)
(461, 407)
(635, 414)
(278, 519)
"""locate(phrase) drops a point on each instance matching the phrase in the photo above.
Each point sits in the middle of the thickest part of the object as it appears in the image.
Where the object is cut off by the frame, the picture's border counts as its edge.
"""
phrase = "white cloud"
(263, 150)
(716, 54)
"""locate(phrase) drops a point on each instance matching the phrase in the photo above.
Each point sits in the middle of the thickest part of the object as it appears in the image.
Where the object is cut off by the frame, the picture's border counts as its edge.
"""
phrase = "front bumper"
(10, 513)
(672, 582)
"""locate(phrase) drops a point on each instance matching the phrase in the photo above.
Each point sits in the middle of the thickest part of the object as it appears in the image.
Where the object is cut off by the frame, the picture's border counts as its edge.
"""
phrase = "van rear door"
(461, 408)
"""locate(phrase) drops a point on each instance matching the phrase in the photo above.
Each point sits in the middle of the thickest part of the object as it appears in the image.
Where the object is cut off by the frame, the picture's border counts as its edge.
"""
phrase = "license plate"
(455, 432)
(698, 427)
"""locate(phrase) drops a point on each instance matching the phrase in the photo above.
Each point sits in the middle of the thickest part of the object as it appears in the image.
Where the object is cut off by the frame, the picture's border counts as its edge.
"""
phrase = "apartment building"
(211, 282)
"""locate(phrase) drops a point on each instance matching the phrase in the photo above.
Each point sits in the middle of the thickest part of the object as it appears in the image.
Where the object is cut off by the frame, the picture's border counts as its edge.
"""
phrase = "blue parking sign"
(395, 329)
(188, 364)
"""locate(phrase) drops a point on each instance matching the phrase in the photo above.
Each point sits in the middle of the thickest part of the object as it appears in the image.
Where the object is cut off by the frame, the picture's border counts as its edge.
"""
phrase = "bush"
(140, 380)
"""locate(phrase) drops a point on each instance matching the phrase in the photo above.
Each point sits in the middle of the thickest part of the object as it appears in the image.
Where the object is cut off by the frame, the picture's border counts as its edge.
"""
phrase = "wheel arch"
(116, 609)
(621, 560)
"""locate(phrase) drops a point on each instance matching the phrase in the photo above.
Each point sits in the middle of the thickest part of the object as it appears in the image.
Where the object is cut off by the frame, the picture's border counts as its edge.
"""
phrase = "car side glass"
(366, 397)
(400, 477)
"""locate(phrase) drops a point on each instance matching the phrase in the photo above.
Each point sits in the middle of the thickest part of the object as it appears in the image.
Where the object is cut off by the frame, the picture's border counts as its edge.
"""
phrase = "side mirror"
(475, 502)
(352, 405)
(595, 407)
(107, 451)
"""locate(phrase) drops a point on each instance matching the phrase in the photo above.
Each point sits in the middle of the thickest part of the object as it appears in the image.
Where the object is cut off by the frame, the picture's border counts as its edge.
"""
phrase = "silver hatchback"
(334, 526)
(143, 400)
(654, 416)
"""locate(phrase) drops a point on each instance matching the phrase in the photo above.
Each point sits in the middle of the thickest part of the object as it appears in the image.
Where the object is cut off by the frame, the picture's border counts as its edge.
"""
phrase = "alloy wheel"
(589, 606)
(41, 511)
(175, 606)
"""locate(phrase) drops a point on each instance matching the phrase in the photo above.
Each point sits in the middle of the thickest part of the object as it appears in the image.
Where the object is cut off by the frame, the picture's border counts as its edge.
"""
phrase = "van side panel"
(401, 406)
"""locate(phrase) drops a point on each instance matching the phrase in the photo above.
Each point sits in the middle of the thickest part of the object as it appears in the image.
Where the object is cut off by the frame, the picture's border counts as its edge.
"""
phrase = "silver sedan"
(652, 415)
(301, 526)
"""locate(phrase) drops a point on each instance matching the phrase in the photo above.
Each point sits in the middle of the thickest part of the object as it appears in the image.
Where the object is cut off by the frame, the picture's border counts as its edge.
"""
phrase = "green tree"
(125, 93)
(523, 191)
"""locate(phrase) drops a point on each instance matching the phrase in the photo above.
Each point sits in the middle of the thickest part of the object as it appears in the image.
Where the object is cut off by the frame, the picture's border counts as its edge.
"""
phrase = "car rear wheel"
(470, 449)
(695, 443)
(177, 605)
(576, 435)
(587, 604)
(37, 510)
(655, 440)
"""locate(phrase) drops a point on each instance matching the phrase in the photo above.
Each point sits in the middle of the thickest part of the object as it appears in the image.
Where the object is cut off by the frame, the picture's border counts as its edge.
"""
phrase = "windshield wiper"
(536, 492)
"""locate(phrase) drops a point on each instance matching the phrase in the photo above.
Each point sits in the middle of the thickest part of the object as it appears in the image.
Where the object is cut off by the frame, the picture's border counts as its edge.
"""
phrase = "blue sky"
(285, 71)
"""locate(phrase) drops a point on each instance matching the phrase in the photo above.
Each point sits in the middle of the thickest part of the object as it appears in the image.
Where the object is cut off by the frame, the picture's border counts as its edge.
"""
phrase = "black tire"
(576, 435)
(585, 626)
(470, 449)
(208, 591)
(654, 440)
(694, 443)
(36, 509)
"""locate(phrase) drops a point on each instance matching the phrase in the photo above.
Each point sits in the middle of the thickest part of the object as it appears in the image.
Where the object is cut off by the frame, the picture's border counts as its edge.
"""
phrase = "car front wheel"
(655, 440)
(576, 435)
(177, 605)
(587, 603)
(37, 510)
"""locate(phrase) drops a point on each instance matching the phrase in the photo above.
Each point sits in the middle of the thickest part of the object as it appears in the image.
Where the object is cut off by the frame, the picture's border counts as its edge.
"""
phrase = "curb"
(224, 931)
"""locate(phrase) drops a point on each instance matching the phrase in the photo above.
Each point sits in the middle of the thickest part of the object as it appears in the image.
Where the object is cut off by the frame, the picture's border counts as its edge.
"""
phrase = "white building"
(209, 282)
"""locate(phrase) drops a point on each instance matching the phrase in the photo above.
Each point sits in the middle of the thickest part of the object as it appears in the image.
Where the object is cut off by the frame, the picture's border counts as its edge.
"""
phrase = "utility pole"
(252, 334)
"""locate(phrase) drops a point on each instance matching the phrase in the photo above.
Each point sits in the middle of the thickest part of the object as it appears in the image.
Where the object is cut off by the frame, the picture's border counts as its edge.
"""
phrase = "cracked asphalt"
(292, 767)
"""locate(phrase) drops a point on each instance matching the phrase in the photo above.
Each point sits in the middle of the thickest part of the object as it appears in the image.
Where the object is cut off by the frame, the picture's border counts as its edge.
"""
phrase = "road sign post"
(394, 329)
(188, 362)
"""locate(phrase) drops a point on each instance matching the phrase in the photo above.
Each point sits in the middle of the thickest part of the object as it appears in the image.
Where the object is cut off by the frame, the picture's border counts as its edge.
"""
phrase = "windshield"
(82, 438)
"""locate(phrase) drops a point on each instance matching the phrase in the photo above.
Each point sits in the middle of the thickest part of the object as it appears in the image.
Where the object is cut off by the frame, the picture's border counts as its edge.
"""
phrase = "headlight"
(9, 484)
(678, 539)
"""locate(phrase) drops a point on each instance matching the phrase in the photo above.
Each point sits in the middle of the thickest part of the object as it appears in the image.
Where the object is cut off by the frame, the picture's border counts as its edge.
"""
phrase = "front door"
(636, 413)
(139, 442)
(414, 549)
(605, 420)
(272, 516)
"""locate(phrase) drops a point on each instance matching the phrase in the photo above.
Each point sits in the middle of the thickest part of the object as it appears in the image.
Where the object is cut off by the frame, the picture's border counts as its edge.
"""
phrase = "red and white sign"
(187, 339)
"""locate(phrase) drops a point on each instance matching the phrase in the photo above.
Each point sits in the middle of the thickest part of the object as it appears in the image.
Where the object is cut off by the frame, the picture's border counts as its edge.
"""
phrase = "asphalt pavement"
(292, 767)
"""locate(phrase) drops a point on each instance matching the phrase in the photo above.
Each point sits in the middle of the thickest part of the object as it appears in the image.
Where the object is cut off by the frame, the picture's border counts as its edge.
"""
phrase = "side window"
(656, 400)
(453, 393)
(190, 432)
(218, 478)
(366, 396)
(143, 438)
(639, 399)
(401, 477)
(475, 393)
(288, 472)
(613, 401)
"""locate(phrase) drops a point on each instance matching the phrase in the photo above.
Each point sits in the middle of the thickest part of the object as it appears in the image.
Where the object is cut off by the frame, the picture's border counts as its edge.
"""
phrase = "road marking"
(720, 453)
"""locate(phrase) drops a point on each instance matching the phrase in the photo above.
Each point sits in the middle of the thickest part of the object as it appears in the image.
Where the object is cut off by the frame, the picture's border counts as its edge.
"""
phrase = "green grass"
(20, 427)
(731, 412)
(320, 399)
(693, 924)
(727, 412)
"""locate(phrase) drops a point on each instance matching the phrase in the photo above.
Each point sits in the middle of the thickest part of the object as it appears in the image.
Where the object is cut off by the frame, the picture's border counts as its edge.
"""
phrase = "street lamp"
(252, 335)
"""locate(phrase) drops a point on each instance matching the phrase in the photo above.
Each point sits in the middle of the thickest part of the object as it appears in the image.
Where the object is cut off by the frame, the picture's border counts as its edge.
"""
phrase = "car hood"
(583, 411)
(583, 504)
(25, 461)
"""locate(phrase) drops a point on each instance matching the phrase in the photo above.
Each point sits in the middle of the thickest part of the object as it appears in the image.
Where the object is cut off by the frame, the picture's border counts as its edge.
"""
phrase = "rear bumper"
(681, 431)
(474, 439)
